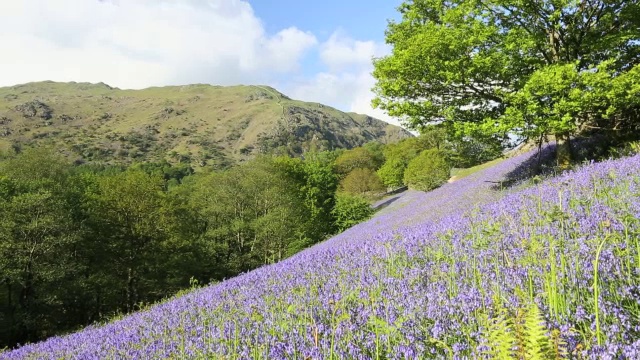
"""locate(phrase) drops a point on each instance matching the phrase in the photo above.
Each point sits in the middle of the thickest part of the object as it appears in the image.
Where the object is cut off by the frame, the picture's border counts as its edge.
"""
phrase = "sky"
(316, 51)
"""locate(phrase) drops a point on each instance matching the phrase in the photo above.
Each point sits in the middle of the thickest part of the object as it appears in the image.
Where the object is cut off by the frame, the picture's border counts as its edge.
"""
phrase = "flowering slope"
(459, 272)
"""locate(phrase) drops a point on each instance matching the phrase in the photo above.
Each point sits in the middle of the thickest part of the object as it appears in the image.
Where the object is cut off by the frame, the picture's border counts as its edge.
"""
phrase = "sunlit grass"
(460, 173)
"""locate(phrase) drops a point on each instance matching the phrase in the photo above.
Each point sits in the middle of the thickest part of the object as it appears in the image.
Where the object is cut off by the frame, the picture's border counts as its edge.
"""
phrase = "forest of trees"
(79, 244)
(82, 243)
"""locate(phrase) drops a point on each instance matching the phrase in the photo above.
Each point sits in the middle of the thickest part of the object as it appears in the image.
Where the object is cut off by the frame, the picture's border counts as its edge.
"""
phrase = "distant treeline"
(80, 244)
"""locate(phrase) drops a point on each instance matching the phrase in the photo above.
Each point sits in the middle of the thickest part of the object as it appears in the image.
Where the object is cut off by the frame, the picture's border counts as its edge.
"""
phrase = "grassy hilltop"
(196, 124)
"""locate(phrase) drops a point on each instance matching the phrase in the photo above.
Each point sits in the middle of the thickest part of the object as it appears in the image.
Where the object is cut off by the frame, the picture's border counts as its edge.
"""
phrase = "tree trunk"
(12, 315)
(537, 168)
(564, 153)
(130, 290)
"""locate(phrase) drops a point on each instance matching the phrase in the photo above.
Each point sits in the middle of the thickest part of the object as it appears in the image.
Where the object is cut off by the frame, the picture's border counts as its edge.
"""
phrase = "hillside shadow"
(387, 202)
(542, 163)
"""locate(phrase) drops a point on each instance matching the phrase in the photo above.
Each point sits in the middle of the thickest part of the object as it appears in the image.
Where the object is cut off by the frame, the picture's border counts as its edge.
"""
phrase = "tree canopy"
(362, 181)
(427, 171)
(357, 158)
(466, 63)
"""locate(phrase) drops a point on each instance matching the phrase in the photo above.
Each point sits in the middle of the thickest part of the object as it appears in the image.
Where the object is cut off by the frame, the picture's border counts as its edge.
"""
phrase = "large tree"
(362, 181)
(39, 265)
(251, 215)
(358, 158)
(464, 62)
(127, 213)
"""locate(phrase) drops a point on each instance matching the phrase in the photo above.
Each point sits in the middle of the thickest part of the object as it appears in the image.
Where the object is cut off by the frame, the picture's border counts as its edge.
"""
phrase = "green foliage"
(405, 150)
(522, 334)
(30, 167)
(626, 149)
(317, 182)
(506, 66)
(427, 171)
(563, 99)
(166, 170)
(250, 214)
(500, 336)
(535, 334)
(376, 149)
(431, 137)
(398, 155)
(351, 210)
(127, 211)
(38, 233)
(358, 158)
(470, 151)
(362, 182)
(78, 245)
(392, 172)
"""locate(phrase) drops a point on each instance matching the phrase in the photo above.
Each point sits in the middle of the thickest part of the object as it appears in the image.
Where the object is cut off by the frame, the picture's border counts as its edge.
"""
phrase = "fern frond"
(557, 346)
(501, 337)
(519, 318)
(535, 334)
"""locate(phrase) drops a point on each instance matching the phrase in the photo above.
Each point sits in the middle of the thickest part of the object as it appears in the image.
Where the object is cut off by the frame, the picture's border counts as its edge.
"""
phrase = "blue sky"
(358, 19)
(362, 19)
(317, 51)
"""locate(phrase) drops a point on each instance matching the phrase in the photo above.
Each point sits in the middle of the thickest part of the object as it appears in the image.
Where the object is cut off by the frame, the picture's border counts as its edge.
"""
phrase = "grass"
(460, 173)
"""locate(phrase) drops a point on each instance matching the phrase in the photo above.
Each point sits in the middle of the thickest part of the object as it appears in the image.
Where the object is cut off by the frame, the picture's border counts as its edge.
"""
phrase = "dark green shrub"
(350, 210)
(362, 181)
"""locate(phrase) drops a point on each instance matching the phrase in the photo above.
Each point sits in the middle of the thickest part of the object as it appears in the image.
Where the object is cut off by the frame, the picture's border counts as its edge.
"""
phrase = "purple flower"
(417, 280)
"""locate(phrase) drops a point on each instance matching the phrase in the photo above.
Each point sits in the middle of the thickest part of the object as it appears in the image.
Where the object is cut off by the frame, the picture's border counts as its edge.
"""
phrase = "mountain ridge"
(196, 123)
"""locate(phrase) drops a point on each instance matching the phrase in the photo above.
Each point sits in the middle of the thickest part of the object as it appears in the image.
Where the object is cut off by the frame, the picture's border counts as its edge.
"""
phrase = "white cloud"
(140, 43)
(347, 83)
(340, 52)
(285, 48)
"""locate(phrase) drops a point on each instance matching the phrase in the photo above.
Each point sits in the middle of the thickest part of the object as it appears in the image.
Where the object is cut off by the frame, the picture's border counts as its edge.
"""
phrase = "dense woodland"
(82, 243)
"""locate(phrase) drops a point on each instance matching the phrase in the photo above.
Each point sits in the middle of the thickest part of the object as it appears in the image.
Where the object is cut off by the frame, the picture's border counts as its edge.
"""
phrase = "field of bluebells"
(546, 271)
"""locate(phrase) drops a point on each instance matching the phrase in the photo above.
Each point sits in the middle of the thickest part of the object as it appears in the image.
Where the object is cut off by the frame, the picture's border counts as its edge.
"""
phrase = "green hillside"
(197, 124)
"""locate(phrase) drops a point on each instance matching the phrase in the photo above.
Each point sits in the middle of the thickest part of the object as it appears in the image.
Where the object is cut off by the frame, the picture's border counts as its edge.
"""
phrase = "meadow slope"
(465, 271)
